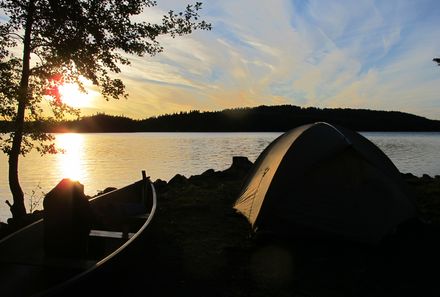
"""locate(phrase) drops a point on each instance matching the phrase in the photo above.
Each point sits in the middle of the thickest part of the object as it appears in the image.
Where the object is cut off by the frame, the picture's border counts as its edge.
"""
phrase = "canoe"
(26, 269)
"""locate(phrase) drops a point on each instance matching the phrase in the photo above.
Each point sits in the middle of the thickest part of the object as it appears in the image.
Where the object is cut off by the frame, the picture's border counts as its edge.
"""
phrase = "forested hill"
(257, 119)
(285, 117)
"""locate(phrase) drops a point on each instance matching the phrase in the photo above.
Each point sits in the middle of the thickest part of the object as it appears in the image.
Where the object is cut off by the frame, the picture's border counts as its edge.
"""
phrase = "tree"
(68, 40)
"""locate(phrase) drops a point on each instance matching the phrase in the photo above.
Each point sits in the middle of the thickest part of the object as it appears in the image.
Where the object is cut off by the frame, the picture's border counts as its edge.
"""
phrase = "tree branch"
(16, 35)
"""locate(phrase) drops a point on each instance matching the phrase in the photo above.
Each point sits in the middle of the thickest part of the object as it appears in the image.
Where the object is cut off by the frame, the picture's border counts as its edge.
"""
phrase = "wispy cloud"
(360, 54)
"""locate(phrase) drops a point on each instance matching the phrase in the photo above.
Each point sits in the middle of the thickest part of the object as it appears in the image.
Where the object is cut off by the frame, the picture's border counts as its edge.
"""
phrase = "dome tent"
(325, 178)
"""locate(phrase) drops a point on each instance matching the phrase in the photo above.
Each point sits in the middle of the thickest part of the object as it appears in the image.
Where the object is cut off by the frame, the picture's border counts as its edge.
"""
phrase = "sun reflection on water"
(70, 162)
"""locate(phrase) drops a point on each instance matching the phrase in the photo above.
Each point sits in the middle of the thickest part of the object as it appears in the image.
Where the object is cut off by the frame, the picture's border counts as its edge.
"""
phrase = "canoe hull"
(25, 269)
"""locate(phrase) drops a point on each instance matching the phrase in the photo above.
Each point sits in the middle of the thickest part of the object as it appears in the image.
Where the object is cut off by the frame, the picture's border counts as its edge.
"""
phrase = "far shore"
(246, 119)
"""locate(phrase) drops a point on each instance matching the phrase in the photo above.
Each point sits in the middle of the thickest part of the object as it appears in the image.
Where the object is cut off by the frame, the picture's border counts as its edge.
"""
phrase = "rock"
(208, 173)
(241, 163)
(160, 184)
(178, 180)
(203, 178)
(106, 190)
(427, 178)
(240, 168)
(408, 175)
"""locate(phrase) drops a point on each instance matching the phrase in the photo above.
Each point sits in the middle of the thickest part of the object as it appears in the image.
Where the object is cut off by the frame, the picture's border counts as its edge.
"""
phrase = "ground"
(197, 245)
(206, 248)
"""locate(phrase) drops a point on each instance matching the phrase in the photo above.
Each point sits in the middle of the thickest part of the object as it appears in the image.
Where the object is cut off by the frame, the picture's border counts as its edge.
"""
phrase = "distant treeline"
(258, 119)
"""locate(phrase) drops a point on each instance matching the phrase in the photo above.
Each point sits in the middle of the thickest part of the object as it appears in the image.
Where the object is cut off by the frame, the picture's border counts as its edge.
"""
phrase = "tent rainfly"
(328, 179)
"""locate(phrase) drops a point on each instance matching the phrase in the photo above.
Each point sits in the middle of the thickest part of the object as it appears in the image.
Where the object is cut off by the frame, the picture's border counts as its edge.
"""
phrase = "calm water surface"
(102, 160)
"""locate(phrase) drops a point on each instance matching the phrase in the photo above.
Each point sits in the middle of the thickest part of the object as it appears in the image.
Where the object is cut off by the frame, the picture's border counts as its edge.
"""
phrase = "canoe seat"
(109, 234)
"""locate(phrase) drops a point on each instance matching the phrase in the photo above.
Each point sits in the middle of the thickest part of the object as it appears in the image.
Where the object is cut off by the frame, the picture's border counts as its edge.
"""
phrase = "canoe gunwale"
(147, 190)
(60, 287)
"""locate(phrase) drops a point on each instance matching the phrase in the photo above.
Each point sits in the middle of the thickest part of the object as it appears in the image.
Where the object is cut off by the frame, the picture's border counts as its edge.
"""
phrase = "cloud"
(364, 53)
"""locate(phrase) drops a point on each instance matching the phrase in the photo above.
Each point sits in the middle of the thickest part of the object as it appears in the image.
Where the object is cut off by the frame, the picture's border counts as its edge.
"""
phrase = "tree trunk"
(18, 208)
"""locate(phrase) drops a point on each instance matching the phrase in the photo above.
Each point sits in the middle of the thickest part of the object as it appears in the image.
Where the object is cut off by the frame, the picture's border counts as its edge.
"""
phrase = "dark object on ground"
(67, 220)
(114, 248)
(320, 180)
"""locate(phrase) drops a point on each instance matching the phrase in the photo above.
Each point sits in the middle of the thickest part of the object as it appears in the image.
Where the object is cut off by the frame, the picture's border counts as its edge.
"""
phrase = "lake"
(117, 159)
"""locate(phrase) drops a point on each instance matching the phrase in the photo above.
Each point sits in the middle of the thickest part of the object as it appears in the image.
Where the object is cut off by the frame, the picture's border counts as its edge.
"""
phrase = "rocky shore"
(208, 249)
(199, 246)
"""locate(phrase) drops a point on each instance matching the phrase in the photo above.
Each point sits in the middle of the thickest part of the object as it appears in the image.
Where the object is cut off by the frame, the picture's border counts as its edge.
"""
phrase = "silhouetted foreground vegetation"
(198, 246)
(257, 119)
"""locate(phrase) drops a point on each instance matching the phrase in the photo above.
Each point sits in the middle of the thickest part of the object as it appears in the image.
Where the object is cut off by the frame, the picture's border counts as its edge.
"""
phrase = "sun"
(72, 95)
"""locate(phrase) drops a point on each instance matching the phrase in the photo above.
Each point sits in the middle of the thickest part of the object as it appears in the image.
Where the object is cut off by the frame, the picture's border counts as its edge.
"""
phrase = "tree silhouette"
(68, 40)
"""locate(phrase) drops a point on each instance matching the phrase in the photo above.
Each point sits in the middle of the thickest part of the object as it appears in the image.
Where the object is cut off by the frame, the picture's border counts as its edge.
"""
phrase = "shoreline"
(424, 188)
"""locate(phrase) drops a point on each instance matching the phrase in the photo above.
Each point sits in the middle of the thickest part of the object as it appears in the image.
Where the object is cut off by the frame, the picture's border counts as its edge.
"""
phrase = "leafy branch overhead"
(73, 39)
(67, 41)
(86, 37)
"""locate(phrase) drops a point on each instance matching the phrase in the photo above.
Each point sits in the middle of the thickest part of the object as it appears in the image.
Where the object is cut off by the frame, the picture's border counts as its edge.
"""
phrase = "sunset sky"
(342, 53)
